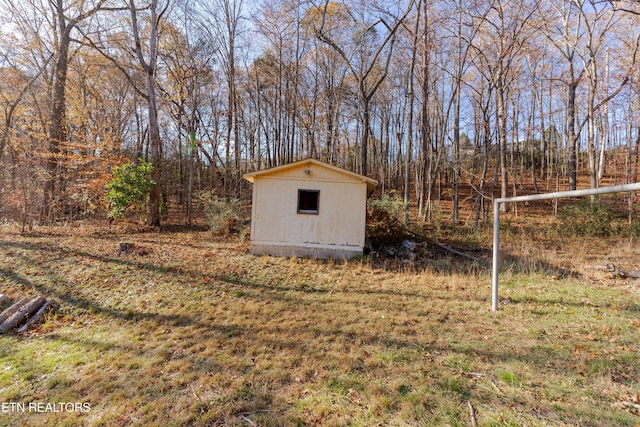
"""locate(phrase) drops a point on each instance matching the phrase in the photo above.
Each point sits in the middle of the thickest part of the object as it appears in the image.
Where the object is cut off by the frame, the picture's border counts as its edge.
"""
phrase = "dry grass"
(190, 331)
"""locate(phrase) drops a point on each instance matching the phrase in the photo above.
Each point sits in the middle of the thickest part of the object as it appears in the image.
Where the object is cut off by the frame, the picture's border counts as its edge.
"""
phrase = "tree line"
(427, 96)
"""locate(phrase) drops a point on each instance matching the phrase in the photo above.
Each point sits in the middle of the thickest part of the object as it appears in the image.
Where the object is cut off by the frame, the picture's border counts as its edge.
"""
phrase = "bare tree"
(629, 6)
(10, 100)
(187, 58)
(498, 46)
(368, 65)
(416, 33)
(67, 16)
(580, 36)
(221, 20)
(148, 64)
(145, 34)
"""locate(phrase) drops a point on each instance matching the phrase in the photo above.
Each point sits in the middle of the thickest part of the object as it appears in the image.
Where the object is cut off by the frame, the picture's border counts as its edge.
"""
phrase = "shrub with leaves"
(129, 188)
(392, 203)
(385, 218)
(223, 215)
(587, 219)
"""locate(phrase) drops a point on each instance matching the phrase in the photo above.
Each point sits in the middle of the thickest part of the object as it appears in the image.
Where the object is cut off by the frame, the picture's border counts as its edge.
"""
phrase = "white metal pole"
(574, 193)
(556, 195)
(496, 261)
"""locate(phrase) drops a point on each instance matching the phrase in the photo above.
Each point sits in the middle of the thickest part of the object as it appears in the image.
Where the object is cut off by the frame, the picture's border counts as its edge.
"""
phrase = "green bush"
(129, 188)
(587, 219)
(385, 218)
(391, 203)
(222, 215)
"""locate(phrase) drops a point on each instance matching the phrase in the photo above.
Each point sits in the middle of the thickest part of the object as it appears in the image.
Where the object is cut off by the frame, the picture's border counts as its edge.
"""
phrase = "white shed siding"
(340, 219)
(338, 229)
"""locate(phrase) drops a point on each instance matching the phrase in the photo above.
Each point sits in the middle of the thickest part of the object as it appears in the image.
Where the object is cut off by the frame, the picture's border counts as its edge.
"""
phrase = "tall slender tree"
(368, 63)
(68, 15)
(147, 57)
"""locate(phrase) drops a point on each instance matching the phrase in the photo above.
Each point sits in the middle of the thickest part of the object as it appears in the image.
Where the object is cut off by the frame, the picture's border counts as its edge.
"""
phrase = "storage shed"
(309, 208)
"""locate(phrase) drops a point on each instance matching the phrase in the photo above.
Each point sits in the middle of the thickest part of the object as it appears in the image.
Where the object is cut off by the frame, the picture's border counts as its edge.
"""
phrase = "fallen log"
(35, 318)
(608, 267)
(15, 307)
(472, 414)
(440, 245)
(629, 274)
(22, 314)
(455, 252)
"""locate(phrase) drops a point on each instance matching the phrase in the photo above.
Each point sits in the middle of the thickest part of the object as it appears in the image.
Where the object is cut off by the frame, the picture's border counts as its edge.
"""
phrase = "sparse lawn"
(199, 332)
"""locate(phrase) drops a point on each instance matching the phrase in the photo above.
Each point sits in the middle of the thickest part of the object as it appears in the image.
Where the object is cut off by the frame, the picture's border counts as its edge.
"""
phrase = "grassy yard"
(193, 331)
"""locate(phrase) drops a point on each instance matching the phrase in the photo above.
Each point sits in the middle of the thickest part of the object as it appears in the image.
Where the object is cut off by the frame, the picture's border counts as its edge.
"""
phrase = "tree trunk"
(36, 317)
(366, 123)
(571, 133)
(11, 310)
(21, 315)
(154, 145)
(57, 132)
(543, 156)
(57, 118)
(591, 148)
(149, 68)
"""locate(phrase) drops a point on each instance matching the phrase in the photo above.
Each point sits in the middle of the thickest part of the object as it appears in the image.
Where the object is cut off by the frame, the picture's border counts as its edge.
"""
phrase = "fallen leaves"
(196, 315)
(631, 404)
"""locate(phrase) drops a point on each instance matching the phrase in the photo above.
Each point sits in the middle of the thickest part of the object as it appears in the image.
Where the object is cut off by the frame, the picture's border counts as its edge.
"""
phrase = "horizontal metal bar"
(547, 196)
(574, 193)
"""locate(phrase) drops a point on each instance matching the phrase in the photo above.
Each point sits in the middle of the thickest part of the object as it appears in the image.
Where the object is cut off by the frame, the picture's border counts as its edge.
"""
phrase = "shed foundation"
(310, 250)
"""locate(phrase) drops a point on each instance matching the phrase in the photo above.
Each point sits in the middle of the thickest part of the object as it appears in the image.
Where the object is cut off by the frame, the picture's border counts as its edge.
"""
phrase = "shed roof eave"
(371, 183)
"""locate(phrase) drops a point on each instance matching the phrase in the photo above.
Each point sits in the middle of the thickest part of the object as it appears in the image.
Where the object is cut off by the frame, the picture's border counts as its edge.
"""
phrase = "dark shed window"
(308, 201)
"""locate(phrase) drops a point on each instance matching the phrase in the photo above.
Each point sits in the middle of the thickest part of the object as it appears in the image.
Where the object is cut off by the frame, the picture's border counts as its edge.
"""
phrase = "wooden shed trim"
(371, 183)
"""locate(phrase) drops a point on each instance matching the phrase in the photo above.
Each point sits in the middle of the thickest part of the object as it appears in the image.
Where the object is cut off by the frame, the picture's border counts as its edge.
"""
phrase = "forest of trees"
(427, 96)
